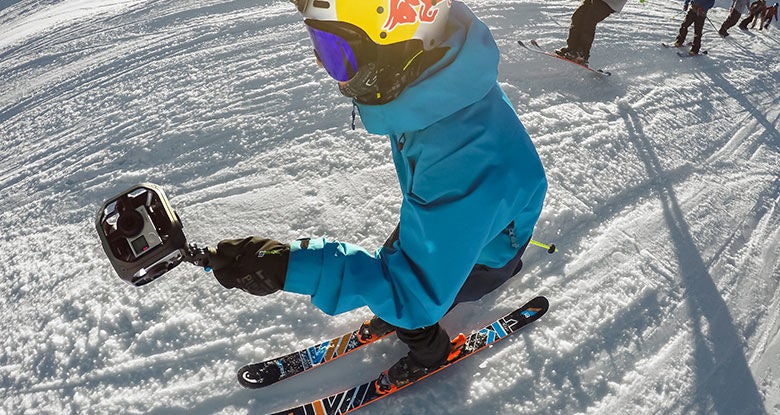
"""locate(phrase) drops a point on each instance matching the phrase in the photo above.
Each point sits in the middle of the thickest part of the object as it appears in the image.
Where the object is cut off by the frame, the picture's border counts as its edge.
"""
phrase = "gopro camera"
(141, 234)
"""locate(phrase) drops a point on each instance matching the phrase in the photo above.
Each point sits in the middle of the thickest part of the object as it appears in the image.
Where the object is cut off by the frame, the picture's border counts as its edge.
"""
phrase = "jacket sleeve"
(462, 196)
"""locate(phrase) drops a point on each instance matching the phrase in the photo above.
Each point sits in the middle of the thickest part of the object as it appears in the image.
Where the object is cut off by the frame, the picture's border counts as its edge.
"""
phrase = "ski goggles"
(338, 46)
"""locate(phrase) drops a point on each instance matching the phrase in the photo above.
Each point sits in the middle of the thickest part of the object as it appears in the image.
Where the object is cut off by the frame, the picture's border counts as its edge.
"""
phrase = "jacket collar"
(466, 73)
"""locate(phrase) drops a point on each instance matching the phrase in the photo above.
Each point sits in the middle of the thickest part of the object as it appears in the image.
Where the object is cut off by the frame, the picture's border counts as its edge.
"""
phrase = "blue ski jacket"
(472, 183)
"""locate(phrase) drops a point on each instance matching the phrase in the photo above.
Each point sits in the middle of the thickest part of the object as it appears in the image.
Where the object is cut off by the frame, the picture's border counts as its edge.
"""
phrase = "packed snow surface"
(664, 201)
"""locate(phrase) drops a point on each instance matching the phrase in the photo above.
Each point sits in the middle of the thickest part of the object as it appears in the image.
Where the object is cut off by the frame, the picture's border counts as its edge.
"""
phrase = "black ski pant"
(429, 346)
(752, 17)
(696, 17)
(730, 21)
(583, 25)
(765, 21)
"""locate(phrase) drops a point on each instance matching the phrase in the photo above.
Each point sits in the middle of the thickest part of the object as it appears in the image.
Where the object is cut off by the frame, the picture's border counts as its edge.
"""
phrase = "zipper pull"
(401, 141)
(354, 110)
(510, 230)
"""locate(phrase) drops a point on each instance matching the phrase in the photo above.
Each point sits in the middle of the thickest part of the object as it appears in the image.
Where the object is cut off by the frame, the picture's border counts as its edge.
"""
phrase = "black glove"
(255, 265)
(685, 6)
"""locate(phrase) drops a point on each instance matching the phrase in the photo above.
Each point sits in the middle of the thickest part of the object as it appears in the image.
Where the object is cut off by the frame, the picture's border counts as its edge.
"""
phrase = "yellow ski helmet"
(375, 47)
(385, 21)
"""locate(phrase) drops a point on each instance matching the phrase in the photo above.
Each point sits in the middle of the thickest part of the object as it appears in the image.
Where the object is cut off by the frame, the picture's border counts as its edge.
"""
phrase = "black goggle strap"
(363, 83)
(367, 87)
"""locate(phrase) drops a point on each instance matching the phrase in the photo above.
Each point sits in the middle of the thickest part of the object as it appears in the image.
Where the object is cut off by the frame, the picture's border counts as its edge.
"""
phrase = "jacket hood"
(465, 74)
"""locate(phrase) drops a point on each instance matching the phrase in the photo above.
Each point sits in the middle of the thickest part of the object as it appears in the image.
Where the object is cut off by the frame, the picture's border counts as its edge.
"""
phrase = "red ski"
(538, 49)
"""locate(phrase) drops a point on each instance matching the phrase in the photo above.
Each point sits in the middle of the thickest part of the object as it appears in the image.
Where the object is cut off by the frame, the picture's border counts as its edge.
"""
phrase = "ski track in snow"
(664, 201)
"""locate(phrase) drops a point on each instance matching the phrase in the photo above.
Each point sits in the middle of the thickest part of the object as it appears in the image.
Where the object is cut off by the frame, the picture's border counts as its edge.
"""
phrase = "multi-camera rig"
(143, 237)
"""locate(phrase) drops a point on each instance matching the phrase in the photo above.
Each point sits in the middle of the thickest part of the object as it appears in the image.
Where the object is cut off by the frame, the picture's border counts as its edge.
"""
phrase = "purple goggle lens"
(335, 54)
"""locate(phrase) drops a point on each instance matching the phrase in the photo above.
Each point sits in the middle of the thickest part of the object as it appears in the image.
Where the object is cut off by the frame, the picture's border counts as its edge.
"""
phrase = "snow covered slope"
(664, 201)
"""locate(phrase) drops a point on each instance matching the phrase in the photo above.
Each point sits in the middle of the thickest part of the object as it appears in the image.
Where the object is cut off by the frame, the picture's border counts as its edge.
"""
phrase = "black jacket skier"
(697, 13)
(738, 7)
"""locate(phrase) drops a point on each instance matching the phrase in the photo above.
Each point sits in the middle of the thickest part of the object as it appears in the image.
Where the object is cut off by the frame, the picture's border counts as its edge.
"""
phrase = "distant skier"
(769, 14)
(582, 30)
(697, 13)
(738, 8)
(471, 180)
(756, 10)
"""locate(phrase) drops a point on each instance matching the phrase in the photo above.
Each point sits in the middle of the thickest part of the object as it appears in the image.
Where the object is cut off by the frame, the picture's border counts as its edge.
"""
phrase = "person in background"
(766, 18)
(582, 30)
(756, 10)
(425, 75)
(697, 13)
(738, 8)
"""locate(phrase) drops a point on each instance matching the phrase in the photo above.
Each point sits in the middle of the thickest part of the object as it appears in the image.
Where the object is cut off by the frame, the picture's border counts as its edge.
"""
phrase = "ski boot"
(562, 51)
(577, 56)
(374, 329)
(406, 370)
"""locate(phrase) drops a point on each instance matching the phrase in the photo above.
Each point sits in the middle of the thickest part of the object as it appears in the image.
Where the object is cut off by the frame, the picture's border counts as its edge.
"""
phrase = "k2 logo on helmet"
(411, 11)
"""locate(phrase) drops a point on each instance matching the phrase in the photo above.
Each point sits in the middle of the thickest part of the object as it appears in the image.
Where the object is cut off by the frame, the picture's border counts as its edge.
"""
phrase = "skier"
(583, 28)
(769, 14)
(697, 13)
(738, 8)
(756, 10)
(425, 74)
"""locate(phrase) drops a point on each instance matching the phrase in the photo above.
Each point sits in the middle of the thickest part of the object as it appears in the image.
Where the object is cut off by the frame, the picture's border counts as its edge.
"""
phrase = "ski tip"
(258, 376)
(688, 55)
(540, 302)
(534, 309)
